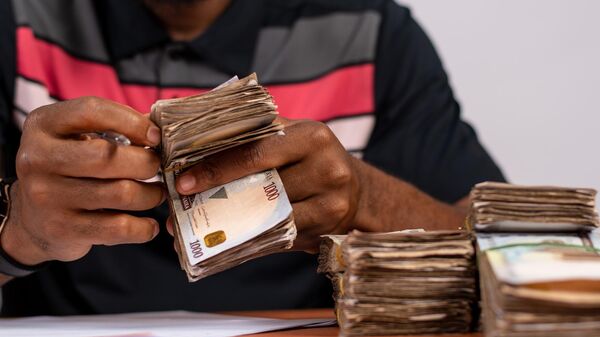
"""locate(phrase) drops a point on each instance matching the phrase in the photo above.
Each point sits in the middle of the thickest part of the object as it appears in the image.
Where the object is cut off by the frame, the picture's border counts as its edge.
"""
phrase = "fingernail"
(156, 230)
(187, 182)
(153, 135)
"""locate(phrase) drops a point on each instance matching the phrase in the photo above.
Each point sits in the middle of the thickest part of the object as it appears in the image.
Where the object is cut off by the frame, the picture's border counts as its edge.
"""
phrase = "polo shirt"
(363, 67)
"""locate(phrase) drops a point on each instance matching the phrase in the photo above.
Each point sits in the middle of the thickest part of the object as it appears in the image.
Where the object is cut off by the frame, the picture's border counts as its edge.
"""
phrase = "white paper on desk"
(155, 324)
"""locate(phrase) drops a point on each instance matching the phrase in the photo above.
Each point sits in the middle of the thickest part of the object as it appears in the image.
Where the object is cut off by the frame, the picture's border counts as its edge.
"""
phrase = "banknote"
(543, 279)
(518, 208)
(194, 127)
(208, 223)
(407, 282)
(540, 285)
(245, 219)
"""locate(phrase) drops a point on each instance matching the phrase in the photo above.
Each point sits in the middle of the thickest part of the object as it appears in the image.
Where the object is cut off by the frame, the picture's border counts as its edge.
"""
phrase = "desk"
(314, 332)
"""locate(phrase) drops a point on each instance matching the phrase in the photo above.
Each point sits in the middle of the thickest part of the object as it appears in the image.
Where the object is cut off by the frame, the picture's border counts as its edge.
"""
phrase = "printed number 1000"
(196, 249)
(271, 191)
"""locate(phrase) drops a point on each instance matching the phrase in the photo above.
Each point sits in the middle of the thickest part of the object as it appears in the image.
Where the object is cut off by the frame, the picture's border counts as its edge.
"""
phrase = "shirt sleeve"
(419, 135)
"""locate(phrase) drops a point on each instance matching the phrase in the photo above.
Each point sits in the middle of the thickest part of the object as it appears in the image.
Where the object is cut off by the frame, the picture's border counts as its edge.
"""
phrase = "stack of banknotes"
(402, 282)
(505, 207)
(539, 285)
(534, 280)
(242, 220)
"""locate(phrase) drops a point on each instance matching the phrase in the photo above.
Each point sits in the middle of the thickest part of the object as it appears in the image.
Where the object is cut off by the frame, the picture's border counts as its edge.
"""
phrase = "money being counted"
(230, 224)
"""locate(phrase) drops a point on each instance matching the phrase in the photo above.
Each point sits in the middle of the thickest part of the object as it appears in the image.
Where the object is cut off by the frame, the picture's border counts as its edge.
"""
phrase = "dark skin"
(187, 19)
(69, 182)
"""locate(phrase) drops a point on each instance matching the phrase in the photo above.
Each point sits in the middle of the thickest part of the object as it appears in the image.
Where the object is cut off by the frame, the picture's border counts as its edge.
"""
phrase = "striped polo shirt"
(363, 67)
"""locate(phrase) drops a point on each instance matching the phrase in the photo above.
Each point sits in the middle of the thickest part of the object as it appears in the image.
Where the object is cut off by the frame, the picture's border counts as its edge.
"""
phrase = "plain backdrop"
(527, 75)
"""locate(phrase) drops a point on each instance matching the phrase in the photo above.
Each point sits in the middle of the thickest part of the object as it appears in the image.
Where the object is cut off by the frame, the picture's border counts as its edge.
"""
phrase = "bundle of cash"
(543, 279)
(545, 285)
(402, 283)
(509, 208)
(242, 220)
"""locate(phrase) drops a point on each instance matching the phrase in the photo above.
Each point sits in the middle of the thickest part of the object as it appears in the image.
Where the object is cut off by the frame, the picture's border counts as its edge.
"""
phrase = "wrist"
(364, 217)
(389, 204)
(13, 241)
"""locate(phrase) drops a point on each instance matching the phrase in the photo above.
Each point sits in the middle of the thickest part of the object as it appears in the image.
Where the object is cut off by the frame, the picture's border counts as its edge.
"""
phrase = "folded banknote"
(244, 219)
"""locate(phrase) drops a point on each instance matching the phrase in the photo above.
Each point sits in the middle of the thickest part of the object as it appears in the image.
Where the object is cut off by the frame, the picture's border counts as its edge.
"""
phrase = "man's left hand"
(319, 176)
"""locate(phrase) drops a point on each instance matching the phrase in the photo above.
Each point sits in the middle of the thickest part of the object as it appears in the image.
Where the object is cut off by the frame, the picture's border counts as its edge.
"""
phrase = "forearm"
(389, 204)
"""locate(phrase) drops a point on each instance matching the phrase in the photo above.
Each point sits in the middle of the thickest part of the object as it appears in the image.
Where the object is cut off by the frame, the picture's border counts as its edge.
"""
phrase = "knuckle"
(101, 152)
(83, 108)
(121, 229)
(32, 119)
(338, 173)
(321, 134)
(26, 162)
(89, 102)
(337, 208)
(126, 193)
(33, 150)
(38, 193)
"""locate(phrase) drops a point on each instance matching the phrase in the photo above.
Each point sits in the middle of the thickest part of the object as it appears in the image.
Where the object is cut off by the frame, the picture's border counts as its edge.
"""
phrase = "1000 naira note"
(244, 219)
(213, 227)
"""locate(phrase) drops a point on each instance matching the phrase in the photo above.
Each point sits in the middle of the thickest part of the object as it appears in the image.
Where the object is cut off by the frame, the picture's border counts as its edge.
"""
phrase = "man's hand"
(331, 192)
(317, 172)
(71, 192)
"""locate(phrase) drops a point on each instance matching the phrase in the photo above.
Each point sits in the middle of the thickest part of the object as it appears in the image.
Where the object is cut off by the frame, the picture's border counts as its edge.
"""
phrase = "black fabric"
(129, 27)
(221, 45)
(9, 134)
(7, 70)
(418, 137)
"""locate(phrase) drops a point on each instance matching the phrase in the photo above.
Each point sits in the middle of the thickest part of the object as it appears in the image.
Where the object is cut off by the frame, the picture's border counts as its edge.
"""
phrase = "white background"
(527, 75)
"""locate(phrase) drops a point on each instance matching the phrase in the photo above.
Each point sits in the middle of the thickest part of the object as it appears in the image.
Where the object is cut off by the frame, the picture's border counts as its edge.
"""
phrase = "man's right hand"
(71, 192)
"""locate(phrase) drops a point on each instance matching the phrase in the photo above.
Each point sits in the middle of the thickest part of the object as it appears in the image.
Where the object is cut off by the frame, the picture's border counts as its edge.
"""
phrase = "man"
(364, 67)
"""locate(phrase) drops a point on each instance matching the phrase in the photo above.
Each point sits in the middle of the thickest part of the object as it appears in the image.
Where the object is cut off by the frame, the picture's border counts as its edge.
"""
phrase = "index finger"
(263, 154)
(93, 114)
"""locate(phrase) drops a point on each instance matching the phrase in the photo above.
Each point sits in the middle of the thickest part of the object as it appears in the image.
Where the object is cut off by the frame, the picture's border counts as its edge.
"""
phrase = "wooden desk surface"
(314, 332)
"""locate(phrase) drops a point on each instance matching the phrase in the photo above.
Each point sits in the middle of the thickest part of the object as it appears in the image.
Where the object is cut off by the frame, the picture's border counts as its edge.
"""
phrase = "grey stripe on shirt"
(333, 40)
(70, 24)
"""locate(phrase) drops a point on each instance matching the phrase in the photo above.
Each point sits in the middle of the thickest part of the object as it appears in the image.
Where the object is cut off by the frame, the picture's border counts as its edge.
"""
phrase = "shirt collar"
(228, 44)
